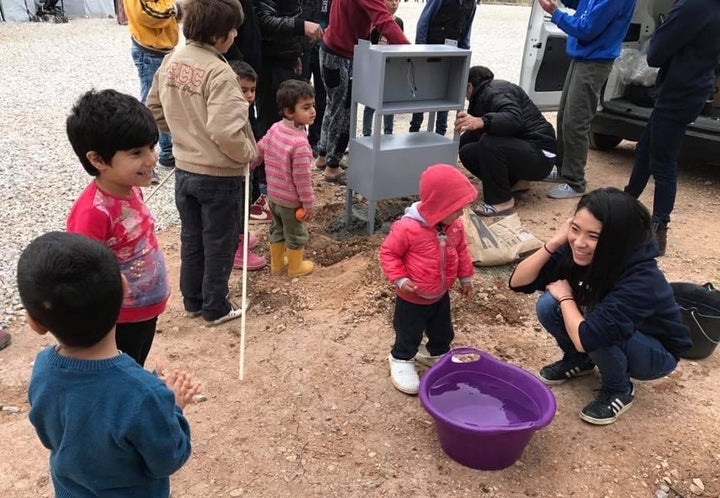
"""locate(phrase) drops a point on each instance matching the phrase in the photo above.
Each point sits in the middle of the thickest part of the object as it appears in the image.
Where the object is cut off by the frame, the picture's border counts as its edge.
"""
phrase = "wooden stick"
(243, 302)
(162, 182)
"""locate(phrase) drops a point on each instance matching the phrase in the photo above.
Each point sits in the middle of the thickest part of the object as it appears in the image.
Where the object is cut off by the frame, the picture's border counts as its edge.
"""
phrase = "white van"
(621, 115)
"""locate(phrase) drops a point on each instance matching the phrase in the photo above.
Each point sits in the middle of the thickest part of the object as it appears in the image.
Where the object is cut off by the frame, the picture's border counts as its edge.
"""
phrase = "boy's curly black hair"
(106, 122)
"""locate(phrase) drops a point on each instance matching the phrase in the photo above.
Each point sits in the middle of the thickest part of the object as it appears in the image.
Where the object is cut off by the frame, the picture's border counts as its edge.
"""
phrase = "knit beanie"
(443, 190)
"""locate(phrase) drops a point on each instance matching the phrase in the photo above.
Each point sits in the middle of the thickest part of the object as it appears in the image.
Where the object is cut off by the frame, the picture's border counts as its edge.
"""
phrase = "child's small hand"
(408, 287)
(181, 383)
(159, 369)
(466, 289)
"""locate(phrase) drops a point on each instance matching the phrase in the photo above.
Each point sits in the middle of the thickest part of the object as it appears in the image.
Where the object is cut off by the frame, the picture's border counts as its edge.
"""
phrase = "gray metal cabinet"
(396, 79)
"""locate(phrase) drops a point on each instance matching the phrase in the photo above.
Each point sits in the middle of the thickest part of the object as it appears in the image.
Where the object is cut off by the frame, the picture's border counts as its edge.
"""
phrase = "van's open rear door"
(544, 62)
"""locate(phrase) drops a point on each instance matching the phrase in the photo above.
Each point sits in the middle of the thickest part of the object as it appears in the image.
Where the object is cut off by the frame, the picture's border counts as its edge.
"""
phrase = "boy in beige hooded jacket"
(196, 96)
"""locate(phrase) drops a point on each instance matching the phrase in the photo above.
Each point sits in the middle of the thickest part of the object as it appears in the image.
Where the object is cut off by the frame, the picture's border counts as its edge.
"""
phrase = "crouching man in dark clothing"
(505, 140)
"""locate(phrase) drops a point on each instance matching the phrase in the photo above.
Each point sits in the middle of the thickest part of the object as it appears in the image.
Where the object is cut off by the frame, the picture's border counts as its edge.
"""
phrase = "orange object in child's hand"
(300, 213)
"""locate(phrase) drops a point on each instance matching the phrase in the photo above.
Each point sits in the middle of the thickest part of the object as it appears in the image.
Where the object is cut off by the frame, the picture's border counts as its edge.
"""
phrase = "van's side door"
(545, 62)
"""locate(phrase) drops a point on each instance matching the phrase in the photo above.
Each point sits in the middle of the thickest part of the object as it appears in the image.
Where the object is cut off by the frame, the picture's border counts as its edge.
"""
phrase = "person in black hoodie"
(686, 48)
(278, 30)
(246, 47)
(281, 29)
(505, 142)
(605, 301)
(317, 11)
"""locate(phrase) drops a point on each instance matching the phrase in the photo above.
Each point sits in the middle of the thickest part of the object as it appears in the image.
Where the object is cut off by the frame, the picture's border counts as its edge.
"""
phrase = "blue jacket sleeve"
(546, 275)
(682, 22)
(587, 25)
(570, 3)
(423, 23)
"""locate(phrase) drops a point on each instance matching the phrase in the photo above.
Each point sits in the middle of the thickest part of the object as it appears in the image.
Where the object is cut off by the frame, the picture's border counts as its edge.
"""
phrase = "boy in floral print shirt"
(114, 137)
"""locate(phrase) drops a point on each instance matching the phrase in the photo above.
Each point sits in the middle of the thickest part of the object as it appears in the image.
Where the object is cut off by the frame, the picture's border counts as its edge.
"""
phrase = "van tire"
(599, 141)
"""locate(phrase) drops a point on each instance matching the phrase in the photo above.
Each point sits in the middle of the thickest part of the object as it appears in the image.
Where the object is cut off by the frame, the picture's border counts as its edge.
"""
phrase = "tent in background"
(22, 10)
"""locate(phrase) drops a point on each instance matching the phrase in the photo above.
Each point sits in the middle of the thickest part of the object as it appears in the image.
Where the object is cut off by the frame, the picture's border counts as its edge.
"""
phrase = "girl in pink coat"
(423, 255)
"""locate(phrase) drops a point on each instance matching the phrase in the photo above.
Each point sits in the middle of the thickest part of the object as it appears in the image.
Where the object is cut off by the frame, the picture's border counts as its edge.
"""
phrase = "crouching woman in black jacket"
(505, 140)
(605, 301)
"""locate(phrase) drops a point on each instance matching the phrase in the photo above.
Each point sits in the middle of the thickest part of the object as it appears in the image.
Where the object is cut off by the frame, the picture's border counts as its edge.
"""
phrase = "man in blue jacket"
(686, 48)
(595, 32)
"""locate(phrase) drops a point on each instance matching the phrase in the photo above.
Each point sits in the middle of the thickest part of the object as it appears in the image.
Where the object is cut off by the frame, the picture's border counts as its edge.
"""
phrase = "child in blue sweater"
(113, 429)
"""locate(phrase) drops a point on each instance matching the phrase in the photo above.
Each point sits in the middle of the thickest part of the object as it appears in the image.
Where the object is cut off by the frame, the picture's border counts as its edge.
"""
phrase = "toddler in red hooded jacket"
(423, 255)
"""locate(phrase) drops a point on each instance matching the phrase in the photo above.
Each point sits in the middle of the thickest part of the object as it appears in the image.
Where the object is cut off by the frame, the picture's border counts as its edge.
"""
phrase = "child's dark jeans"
(411, 320)
(210, 210)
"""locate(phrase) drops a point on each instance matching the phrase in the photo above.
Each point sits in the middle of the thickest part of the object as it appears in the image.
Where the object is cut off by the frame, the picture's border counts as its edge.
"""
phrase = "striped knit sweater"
(288, 157)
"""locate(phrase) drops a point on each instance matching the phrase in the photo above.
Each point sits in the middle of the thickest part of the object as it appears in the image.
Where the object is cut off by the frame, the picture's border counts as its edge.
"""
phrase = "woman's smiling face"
(583, 236)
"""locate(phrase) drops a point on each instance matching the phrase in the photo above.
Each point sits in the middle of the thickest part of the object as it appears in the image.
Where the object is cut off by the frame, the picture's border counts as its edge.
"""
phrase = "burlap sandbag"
(500, 243)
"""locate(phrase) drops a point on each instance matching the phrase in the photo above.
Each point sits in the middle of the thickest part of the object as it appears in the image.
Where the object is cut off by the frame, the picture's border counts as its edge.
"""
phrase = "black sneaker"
(607, 406)
(565, 369)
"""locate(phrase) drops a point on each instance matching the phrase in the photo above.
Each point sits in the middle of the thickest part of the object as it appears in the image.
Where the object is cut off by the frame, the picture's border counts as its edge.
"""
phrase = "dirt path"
(317, 416)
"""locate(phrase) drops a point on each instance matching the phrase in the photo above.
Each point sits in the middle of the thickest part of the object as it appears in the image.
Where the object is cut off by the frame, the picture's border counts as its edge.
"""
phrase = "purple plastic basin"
(485, 410)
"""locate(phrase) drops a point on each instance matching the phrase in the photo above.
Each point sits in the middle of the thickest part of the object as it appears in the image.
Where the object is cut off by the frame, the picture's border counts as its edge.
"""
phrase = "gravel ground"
(44, 68)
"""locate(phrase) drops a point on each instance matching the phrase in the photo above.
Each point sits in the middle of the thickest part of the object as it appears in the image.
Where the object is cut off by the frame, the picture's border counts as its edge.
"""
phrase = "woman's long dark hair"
(626, 227)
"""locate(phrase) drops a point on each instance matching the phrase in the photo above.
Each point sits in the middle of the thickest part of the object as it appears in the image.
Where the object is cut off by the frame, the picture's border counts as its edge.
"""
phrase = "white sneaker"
(425, 358)
(235, 312)
(404, 376)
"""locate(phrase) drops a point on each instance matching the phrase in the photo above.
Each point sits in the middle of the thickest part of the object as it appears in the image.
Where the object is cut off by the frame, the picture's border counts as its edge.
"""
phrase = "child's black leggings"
(136, 338)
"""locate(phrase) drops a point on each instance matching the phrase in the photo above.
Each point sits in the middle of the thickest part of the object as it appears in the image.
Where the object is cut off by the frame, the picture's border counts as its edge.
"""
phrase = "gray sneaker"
(554, 176)
(563, 191)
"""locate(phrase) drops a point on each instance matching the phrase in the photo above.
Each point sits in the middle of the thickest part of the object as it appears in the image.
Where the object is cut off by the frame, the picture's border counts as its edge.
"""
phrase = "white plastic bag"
(643, 74)
(626, 64)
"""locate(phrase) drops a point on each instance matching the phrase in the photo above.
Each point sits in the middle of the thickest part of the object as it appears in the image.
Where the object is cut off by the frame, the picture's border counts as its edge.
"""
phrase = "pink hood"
(443, 190)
